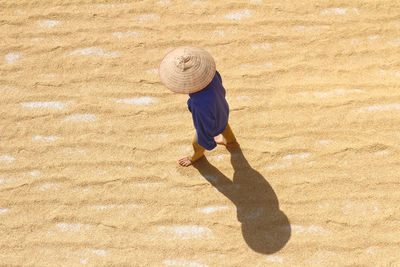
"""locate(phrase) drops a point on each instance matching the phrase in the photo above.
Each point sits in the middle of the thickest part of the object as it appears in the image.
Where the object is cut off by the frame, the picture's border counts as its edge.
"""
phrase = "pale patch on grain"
(70, 150)
(118, 206)
(186, 148)
(211, 209)
(355, 10)
(48, 75)
(354, 208)
(261, 46)
(184, 232)
(47, 23)
(81, 189)
(12, 57)
(301, 28)
(219, 33)
(355, 42)
(21, 12)
(243, 97)
(380, 107)
(275, 259)
(72, 227)
(277, 165)
(338, 11)
(8, 90)
(99, 252)
(118, 34)
(3, 211)
(394, 42)
(147, 185)
(148, 17)
(287, 160)
(10, 180)
(218, 157)
(7, 158)
(323, 206)
(81, 118)
(183, 262)
(390, 72)
(49, 104)
(152, 71)
(45, 138)
(382, 152)
(333, 93)
(34, 173)
(49, 186)
(370, 250)
(93, 50)
(137, 100)
(238, 15)
(373, 37)
(125, 35)
(108, 5)
(163, 2)
(103, 207)
(169, 49)
(156, 136)
(268, 142)
(197, 2)
(297, 156)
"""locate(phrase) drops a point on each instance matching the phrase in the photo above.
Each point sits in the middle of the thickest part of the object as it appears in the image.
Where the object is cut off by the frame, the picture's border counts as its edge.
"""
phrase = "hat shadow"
(265, 228)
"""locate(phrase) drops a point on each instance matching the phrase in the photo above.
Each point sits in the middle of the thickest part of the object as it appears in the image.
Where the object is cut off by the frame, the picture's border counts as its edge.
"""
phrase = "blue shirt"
(210, 112)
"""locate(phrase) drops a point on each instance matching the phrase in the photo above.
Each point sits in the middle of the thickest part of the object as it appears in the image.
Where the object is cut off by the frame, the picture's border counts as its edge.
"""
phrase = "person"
(192, 70)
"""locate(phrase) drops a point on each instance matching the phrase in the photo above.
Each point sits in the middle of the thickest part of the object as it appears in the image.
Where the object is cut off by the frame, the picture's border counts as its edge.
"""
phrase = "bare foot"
(185, 161)
(220, 140)
(188, 160)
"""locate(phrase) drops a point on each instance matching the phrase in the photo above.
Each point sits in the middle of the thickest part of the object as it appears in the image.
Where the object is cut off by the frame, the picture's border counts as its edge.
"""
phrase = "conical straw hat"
(187, 69)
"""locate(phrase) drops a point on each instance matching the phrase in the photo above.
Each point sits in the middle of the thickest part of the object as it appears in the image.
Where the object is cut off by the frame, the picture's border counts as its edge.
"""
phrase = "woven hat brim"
(200, 73)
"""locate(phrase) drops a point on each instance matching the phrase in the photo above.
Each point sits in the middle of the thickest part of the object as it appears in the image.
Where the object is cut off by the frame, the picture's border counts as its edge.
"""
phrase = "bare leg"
(198, 153)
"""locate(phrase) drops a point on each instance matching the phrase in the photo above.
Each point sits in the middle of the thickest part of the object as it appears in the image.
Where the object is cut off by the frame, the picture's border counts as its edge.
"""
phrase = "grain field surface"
(90, 137)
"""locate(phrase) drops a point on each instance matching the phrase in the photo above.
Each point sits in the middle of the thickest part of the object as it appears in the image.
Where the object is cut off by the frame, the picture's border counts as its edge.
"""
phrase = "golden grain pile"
(89, 137)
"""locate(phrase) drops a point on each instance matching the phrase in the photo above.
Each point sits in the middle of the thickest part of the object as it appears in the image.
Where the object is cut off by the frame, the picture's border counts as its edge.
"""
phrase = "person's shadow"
(265, 228)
